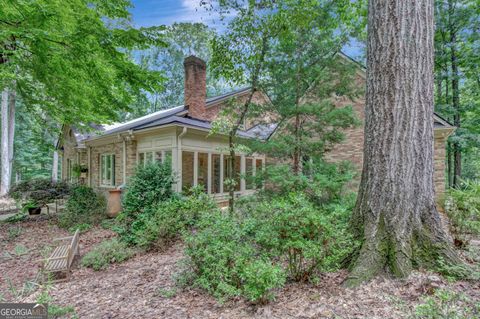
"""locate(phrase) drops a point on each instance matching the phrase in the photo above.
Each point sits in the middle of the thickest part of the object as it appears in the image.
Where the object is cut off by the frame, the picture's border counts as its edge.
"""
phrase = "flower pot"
(34, 210)
(114, 205)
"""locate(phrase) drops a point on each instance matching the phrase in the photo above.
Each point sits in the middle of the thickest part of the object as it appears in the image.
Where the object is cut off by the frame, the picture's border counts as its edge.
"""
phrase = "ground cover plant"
(106, 253)
(278, 236)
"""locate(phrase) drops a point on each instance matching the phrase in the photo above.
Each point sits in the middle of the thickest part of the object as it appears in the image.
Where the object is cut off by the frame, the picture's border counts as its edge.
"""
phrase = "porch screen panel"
(249, 180)
(259, 170)
(215, 173)
(203, 171)
(236, 174)
(187, 170)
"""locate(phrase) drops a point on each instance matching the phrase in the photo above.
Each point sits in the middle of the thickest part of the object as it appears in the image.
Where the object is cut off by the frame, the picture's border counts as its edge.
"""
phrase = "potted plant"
(79, 171)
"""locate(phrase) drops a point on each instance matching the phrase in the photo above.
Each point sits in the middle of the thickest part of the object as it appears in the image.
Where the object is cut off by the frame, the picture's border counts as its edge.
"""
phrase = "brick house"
(181, 136)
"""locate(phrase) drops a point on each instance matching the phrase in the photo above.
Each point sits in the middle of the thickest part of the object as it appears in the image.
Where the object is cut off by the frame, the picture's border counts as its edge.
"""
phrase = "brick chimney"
(195, 86)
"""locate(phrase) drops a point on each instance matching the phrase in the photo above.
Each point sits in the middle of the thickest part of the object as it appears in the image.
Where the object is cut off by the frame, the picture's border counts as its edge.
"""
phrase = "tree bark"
(395, 214)
(55, 167)
(4, 141)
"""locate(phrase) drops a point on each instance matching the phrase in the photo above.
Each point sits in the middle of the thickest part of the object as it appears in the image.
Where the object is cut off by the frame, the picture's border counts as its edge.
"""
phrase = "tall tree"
(456, 38)
(395, 213)
(71, 58)
(259, 49)
(182, 39)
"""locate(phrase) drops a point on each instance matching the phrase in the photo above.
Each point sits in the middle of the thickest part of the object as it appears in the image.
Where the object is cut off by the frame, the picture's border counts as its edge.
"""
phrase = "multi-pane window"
(107, 167)
(154, 156)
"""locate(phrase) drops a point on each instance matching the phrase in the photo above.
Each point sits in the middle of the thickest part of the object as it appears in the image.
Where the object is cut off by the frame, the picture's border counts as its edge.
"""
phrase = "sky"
(165, 12)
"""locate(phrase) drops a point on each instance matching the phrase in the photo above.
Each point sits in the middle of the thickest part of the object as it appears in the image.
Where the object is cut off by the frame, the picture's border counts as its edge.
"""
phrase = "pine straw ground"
(134, 288)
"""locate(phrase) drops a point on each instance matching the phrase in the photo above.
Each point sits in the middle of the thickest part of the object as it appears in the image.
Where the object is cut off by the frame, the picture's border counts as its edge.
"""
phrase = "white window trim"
(112, 180)
(164, 151)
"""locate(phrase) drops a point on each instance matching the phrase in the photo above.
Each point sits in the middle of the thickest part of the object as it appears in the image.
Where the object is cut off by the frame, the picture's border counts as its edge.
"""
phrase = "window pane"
(108, 169)
(158, 156)
(249, 173)
(203, 170)
(236, 174)
(168, 158)
(225, 172)
(187, 170)
(259, 169)
(112, 170)
(149, 157)
(215, 173)
(141, 158)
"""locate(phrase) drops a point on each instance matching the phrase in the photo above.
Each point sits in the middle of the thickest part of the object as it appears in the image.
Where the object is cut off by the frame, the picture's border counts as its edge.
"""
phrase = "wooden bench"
(62, 256)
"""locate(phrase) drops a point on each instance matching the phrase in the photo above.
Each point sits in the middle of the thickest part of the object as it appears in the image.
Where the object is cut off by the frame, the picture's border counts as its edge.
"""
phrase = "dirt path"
(143, 288)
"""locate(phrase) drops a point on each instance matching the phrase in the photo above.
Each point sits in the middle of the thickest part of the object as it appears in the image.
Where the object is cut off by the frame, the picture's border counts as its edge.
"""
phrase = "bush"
(447, 304)
(463, 209)
(305, 237)
(224, 262)
(84, 206)
(106, 253)
(157, 226)
(149, 186)
(275, 238)
(321, 182)
(39, 191)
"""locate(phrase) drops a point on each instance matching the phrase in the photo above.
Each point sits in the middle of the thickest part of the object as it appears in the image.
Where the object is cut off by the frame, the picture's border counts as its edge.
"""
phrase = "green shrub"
(84, 206)
(321, 182)
(266, 240)
(149, 186)
(42, 191)
(307, 238)
(224, 262)
(106, 253)
(463, 209)
(447, 304)
(159, 225)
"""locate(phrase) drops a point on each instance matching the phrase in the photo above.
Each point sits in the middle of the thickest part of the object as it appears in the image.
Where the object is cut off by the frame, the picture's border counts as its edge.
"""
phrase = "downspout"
(179, 159)
(124, 161)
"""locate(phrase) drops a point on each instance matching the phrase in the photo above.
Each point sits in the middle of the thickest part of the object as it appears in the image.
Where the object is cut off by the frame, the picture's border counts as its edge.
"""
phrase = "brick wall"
(115, 148)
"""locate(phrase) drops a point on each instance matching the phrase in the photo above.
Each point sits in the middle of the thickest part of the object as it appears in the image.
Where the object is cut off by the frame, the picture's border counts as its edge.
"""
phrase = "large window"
(187, 170)
(259, 169)
(249, 178)
(107, 168)
(202, 170)
(236, 175)
(149, 157)
(215, 173)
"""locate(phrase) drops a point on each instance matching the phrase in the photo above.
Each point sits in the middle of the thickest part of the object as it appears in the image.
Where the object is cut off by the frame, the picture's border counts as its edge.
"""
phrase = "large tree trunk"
(395, 214)
(5, 178)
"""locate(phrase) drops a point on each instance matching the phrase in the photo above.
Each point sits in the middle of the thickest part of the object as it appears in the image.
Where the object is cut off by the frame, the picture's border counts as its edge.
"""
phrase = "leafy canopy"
(72, 57)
